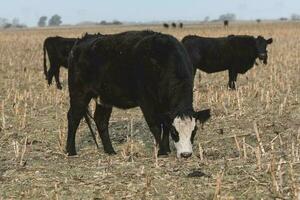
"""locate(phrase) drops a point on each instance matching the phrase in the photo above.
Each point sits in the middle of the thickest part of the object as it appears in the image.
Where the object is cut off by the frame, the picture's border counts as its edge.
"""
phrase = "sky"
(75, 11)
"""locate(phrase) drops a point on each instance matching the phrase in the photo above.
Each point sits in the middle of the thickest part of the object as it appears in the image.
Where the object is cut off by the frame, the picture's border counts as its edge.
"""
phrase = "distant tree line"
(103, 22)
(115, 22)
(295, 17)
(14, 23)
(227, 17)
(55, 20)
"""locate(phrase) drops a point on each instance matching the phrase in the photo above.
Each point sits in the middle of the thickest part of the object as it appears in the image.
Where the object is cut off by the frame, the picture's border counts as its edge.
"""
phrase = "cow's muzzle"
(263, 57)
(185, 155)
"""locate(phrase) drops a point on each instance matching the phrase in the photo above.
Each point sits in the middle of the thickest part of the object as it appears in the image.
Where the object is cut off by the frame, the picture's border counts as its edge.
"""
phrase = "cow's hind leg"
(76, 112)
(101, 116)
(51, 72)
(56, 75)
(232, 79)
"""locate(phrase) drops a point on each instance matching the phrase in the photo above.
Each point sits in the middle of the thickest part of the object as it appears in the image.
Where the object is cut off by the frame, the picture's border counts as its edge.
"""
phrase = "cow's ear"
(269, 41)
(202, 115)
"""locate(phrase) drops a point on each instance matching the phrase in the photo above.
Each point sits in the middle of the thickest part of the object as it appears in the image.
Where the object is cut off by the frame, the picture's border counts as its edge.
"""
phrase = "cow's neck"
(181, 99)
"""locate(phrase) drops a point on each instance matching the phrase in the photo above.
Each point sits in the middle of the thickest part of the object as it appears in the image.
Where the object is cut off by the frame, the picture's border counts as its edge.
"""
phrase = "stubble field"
(249, 149)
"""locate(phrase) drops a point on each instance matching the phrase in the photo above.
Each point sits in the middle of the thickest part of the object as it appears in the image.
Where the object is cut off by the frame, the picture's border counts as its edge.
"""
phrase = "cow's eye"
(174, 134)
(193, 134)
(196, 128)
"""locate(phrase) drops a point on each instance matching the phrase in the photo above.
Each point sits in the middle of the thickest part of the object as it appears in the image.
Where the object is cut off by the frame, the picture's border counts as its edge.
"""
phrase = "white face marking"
(184, 127)
(98, 101)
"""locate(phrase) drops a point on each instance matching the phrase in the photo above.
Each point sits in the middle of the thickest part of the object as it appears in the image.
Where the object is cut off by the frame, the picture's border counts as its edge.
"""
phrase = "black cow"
(58, 49)
(130, 69)
(237, 54)
(165, 25)
(226, 23)
(180, 25)
(173, 25)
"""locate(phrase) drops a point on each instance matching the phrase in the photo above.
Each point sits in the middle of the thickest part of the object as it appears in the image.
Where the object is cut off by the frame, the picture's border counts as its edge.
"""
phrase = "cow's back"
(209, 54)
(217, 54)
(106, 65)
(124, 68)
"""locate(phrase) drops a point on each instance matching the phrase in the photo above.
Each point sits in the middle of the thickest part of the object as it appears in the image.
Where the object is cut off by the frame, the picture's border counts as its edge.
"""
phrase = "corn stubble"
(249, 148)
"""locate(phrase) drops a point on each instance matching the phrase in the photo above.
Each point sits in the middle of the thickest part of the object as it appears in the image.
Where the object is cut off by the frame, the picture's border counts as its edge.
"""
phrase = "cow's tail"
(88, 118)
(45, 60)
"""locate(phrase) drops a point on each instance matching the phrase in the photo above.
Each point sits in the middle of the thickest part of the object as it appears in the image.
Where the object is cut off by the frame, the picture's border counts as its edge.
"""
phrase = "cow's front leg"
(155, 127)
(102, 116)
(165, 145)
(232, 79)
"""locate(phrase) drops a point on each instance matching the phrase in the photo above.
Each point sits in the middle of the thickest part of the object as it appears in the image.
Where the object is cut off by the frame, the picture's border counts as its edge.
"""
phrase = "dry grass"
(248, 150)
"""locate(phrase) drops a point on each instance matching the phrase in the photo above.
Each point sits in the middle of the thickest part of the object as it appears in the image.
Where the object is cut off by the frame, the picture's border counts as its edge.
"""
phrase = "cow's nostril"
(185, 155)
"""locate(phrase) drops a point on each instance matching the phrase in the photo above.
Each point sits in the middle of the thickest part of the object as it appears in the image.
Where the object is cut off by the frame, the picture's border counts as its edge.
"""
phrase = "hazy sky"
(74, 11)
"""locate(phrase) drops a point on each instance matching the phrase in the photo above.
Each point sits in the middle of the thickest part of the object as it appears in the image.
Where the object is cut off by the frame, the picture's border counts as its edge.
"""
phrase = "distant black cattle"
(58, 49)
(226, 23)
(166, 25)
(180, 25)
(237, 54)
(173, 25)
(130, 69)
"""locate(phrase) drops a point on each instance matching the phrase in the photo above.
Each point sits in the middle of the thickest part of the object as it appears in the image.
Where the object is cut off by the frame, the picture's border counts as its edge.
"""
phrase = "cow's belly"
(243, 69)
(117, 97)
(120, 102)
(212, 67)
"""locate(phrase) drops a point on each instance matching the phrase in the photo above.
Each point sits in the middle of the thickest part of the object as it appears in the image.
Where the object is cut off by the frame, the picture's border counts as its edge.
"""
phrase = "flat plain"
(249, 149)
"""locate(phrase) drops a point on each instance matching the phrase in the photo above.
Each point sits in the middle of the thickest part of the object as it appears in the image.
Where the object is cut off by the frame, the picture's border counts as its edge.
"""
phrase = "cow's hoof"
(72, 153)
(110, 152)
(162, 153)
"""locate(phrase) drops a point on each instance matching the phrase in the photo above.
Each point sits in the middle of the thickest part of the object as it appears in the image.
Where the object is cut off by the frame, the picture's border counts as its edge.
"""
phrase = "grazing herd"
(149, 70)
(173, 24)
